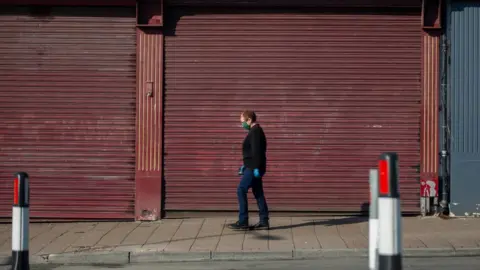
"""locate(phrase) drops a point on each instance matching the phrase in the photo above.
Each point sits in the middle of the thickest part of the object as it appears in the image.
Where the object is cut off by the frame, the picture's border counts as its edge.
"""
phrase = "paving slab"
(185, 236)
(280, 236)
(256, 241)
(464, 240)
(328, 235)
(415, 224)
(209, 239)
(231, 240)
(127, 248)
(434, 241)
(353, 236)
(162, 236)
(35, 230)
(4, 238)
(411, 241)
(44, 239)
(87, 240)
(116, 236)
(6, 247)
(209, 235)
(64, 241)
(304, 236)
(4, 227)
(38, 229)
(140, 235)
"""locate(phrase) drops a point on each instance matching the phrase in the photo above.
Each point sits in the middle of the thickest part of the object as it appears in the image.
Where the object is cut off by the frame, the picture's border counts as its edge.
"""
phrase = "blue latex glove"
(241, 170)
(256, 173)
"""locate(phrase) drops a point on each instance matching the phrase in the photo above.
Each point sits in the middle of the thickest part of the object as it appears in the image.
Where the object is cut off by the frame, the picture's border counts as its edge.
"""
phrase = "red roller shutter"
(298, 3)
(332, 90)
(67, 93)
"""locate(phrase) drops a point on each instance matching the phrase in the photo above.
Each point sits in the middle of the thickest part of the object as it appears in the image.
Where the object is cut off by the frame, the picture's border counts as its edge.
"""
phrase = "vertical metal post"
(20, 222)
(373, 221)
(444, 180)
(389, 214)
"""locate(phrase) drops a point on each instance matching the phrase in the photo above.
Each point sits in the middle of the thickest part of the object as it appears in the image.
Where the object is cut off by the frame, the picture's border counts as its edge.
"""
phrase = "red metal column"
(430, 111)
(149, 124)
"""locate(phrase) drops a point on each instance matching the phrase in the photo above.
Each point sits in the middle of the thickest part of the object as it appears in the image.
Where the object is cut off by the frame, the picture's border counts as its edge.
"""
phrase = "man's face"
(242, 119)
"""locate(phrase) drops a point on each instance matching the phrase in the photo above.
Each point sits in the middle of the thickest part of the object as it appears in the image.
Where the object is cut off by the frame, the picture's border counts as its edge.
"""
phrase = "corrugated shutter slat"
(332, 91)
(67, 89)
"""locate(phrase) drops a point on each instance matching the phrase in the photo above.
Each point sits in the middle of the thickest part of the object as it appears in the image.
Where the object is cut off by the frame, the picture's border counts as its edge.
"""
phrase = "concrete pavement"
(210, 239)
(437, 263)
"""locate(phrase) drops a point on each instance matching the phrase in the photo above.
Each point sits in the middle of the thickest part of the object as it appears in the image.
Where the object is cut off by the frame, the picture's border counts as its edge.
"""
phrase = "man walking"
(253, 168)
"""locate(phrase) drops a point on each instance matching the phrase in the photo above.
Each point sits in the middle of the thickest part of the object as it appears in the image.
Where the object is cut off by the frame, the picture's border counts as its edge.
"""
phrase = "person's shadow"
(363, 217)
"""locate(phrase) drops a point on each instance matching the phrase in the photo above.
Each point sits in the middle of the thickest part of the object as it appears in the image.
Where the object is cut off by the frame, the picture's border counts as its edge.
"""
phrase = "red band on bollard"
(384, 187)
(388, 176)
(21, 190)
(15, 191)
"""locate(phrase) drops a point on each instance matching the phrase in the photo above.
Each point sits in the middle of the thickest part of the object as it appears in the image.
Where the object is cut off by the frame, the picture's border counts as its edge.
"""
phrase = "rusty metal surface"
(297, 3)
(332, 91)
(149, 123)
(430, 106)
(149, 99)
(67, 93)
(70, 3)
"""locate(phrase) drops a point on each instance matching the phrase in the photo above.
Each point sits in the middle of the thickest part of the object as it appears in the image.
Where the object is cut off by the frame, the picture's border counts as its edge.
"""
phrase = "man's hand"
(240, 171)
(256, 173)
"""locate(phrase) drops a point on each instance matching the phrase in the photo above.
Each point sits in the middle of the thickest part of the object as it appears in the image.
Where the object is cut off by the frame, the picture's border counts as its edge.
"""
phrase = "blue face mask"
(245, 126)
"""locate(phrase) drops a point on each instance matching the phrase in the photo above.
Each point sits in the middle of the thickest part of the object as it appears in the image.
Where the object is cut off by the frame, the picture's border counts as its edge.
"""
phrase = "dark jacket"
(255, 149)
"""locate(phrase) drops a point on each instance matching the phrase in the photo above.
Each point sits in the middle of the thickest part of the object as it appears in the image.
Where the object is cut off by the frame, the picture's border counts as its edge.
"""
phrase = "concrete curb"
(153, 257)
(148, 256)
(88, 258)
(5, 260)
(328, 253)
(252, 256)
(34, 259)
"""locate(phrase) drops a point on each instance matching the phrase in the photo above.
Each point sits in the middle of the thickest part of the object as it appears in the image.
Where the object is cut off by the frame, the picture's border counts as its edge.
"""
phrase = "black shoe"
(261, 226)
(239, 226)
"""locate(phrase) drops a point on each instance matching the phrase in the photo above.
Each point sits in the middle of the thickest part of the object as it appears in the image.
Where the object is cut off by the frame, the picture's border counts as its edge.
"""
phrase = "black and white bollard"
(373, 222)
(20, 222)
(389, 214)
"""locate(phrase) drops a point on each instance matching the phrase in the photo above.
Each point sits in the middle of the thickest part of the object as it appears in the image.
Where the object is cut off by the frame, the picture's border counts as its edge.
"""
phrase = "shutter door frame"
(72, 128)
(200, 168)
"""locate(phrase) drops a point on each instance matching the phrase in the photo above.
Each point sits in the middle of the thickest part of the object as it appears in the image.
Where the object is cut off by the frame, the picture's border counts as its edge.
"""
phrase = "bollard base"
(20, 260)
(390, 262)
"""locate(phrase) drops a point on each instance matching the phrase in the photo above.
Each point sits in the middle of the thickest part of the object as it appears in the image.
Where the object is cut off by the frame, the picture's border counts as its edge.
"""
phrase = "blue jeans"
(249, 181)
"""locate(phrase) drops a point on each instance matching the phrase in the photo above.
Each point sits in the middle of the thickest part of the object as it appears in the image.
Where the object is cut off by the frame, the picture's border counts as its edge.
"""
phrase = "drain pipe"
(444, 153)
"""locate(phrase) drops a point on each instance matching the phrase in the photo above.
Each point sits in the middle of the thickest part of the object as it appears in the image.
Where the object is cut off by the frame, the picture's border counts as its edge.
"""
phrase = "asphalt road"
(437, 263)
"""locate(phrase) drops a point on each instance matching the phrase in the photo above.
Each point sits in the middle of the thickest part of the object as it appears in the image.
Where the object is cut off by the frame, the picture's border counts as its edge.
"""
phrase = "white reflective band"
(373, 243)
(20, 223)
(390, 230)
